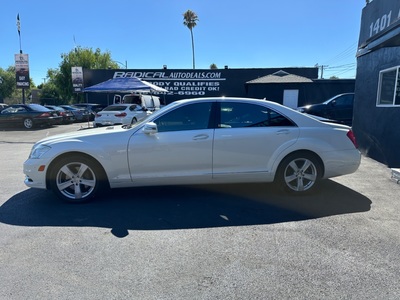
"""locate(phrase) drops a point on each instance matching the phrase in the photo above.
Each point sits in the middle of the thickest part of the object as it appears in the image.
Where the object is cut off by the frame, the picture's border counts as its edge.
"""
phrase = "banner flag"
(18, 25)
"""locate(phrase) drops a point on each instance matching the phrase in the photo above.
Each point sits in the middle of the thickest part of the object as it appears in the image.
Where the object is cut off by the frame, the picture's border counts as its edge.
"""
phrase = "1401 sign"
(381, 23)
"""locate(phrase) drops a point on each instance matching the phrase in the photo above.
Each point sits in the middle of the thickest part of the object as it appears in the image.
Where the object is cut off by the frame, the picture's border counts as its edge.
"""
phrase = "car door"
(246, 139)
(342, 108)
(181, 150)
(14, 115)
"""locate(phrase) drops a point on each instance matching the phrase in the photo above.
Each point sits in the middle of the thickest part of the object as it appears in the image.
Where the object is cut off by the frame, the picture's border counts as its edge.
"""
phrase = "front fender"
(111, 157)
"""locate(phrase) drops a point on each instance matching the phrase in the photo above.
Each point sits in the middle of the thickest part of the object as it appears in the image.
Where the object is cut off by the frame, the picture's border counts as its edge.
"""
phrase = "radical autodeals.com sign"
(184, 83)
(181, 83)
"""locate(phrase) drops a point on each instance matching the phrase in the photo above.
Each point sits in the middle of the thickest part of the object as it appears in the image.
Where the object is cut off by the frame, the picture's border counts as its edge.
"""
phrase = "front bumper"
(33, 177)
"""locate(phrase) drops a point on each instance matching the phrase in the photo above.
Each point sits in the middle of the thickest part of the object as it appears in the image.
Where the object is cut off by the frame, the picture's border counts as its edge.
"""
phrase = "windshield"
(154, 115)
(329, 100)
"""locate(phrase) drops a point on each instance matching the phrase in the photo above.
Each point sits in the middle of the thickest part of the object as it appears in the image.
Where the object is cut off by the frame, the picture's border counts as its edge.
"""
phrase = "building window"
(389, 87)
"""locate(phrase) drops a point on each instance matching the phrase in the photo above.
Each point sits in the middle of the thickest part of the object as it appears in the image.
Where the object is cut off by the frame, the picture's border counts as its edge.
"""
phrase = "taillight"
(121, 115)
(44, 115)
(98, 115)
(352, 137)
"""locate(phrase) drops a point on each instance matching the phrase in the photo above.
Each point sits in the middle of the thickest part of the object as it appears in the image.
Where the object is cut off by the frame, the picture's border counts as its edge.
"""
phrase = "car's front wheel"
(76, 178)
(299, 173)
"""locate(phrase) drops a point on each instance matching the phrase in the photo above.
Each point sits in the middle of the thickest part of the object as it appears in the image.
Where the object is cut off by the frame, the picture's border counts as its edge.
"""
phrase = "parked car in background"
(28, 116)
(67, 116)
(149, 102)
(80, 114)
(338, 108)
(196, 141)
(121, 114)
(3, 106)
(93, 108)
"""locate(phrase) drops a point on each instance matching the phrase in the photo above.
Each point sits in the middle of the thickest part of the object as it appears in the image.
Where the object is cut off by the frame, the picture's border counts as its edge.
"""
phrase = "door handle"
(282, 131)
(200, 137)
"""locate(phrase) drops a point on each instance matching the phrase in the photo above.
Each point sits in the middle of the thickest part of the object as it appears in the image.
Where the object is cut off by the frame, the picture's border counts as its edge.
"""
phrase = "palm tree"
(190, 20)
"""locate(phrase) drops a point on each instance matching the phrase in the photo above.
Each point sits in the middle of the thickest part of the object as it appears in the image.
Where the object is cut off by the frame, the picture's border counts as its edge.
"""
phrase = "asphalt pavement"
(242, 241)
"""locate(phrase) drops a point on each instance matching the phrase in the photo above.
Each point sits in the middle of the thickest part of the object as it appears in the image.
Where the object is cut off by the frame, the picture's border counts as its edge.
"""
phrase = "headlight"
(38, 151)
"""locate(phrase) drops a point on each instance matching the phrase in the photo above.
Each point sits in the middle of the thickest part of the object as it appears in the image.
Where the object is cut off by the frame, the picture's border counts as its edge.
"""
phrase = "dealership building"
(289, 86)
(376, 120)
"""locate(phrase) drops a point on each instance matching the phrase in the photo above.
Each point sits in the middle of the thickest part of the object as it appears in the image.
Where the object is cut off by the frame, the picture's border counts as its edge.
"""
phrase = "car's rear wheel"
(76, 178)
(28, 123)
(299, 173)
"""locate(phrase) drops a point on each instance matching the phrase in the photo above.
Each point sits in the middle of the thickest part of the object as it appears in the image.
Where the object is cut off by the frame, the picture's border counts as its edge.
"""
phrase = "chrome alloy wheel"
(300, 174)
(28, 123)
(76, 180)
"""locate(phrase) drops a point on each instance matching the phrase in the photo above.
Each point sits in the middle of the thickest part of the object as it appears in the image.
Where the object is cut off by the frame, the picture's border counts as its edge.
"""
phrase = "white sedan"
(197, 141)
(120, 114)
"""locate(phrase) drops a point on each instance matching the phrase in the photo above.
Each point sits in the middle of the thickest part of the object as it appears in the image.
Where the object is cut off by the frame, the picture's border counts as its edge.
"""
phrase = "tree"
(8, 86)
(213, 66)
(59, 81)
(190, 20)
(7, 83)
(49, 92)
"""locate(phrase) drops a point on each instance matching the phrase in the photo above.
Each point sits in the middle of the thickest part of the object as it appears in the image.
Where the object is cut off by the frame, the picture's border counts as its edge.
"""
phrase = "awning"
(124, 85)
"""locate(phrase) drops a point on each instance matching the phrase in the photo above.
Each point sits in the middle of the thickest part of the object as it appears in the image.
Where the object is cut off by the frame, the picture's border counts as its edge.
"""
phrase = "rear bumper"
(48, 121)
(340, 163)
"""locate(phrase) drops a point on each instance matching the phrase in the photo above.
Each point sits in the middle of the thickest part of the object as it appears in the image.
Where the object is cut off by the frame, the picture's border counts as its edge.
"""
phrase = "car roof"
(238, 99)
(87, 104)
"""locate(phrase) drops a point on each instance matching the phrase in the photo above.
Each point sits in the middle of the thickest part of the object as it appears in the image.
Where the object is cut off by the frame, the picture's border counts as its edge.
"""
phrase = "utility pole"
(322, 69)
(20, 52)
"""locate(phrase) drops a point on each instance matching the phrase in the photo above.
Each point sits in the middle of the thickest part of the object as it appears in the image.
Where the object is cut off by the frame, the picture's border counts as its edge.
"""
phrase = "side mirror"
(150, 128)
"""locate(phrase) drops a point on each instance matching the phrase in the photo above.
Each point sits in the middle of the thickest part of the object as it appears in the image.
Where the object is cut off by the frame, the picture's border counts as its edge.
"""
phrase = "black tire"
(299, 173)
(28, 123)
(77, 178)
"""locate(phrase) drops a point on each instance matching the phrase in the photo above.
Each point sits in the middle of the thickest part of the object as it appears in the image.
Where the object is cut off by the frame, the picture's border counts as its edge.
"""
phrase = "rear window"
(38, 107)
(115, 107)
(240, 115)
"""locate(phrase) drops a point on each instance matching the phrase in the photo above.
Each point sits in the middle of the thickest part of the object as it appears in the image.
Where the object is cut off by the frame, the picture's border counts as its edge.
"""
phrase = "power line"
(350, 65)
(335, 66)
(336, 71)
(345, 54)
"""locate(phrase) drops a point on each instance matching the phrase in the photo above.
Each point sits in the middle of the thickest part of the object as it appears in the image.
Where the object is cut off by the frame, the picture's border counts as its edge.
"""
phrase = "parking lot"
(242, 241)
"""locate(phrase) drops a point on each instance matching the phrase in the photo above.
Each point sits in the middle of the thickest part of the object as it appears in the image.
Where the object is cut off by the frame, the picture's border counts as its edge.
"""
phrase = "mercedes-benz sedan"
(196, 141)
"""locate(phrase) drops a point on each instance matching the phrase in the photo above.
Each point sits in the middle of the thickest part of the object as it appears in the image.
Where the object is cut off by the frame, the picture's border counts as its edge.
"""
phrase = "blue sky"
(150, 34)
